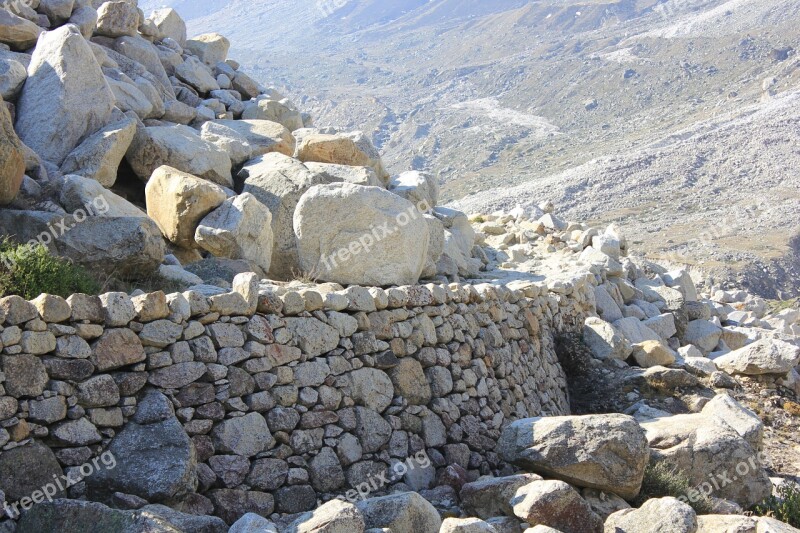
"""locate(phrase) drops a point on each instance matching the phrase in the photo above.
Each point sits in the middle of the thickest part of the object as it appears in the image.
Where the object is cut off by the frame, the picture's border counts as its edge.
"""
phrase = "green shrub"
(28, 271)
(664, 480)
(785, 506)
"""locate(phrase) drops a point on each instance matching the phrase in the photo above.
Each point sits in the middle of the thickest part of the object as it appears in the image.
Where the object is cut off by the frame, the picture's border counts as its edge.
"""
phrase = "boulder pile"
(102, 101)
(304, 378)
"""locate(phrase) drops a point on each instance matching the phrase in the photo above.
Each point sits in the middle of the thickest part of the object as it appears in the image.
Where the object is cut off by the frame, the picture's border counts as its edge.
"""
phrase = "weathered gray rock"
(466, 525)
(606, 452)
(79, 194)
(335, 228)
(369, 387)
(26, 469)
(766, 356)
(240, 228)
(253, 523)
(65, 98)
(410, 382)
(313, 337)
(704, 444)
(99, 156)
(12, 77)
(703, 334)
(12, 154)
(155, 458)
(658, 514)
(490, 497)
(236, 144)
(557, 505)
(77, 515)
(179, 147)
(406, 512)
(198, 75)
(278, 182)
(246, 435)
(25, 375)
(604, 341)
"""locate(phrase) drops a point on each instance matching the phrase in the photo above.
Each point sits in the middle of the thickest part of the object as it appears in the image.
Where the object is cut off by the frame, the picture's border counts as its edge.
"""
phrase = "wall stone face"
(306, 398)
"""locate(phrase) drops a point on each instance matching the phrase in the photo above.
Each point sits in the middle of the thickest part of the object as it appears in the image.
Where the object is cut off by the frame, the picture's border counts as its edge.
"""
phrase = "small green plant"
(479, 219)
(29, 270)
(785, 506)
(663, 479)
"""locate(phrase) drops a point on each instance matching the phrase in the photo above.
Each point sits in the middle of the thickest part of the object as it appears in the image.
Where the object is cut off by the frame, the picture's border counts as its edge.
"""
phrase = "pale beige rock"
(353, 149)
(555, 504)
(211, 48)
(766, 356)
(280, 111)
(180, 147)
(115, 19)
(278, 182)
(240, 228)
(419, 188)
(52, 309)
(11, 154)
(178, 201)
(652, 353)
(79, 194)
(334, 225)
(356, 175)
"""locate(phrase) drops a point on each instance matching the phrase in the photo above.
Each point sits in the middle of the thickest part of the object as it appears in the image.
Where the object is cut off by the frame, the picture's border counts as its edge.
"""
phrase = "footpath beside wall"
(267, 398)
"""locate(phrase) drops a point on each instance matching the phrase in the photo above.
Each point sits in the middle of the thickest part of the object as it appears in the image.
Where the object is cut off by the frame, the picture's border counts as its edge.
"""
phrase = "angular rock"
(211, 48)
(179, 147)
(17, 32)
(169, 24)
(419, 188)
(240, 228)
(356, 175)
(405, 512)
(280, 111)
(115, 19)
(278, 182)
(557, 505)
(490, 497)
(77, 515)
(99, 156)
(605, 452)
(25, 375)
(66, 97)
(410, 382)
(766, 356)
(117, 348)
(658, 514)
(26, 469)
(263, 136)
(653, 353)
(335, 228)
(79, 194)
(703, 334)
(313, 336)
(353, 149)
(604, 341)
(155, 458)
(178, 201)
(246, 435)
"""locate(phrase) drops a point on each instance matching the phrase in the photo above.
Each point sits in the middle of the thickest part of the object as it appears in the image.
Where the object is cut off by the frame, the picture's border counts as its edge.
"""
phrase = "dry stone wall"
(271, 397)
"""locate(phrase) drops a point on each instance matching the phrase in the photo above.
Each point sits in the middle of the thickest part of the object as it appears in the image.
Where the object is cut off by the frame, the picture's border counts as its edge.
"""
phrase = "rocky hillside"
(321, 345)
(491, 95)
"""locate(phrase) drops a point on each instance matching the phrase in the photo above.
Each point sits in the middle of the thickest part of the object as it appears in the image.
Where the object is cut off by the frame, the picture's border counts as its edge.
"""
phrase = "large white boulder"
(66, 97)
(179, 147)
(355, 235)
(241, 228)
(78, 193)
(211, 48)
